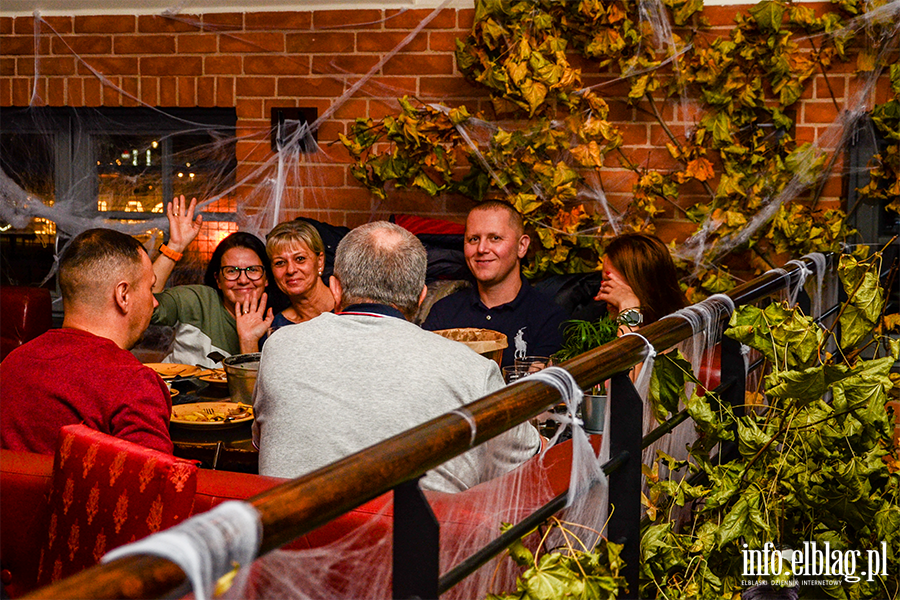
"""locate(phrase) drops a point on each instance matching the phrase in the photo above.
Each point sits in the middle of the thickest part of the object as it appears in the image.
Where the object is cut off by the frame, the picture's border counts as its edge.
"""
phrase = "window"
(109, 163)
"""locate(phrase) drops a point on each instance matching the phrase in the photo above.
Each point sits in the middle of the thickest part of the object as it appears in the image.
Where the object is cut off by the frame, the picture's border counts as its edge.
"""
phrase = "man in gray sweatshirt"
(341, 382)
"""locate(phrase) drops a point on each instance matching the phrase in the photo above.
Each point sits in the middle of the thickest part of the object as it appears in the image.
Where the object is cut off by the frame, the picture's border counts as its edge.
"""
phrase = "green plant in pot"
(580, 336)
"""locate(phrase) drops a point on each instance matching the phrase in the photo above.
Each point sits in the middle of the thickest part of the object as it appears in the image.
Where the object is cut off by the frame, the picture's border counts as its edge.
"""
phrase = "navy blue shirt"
(531, 322)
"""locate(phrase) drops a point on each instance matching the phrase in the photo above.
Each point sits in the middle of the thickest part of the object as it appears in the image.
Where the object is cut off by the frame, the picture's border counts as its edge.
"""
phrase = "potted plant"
(579, 336)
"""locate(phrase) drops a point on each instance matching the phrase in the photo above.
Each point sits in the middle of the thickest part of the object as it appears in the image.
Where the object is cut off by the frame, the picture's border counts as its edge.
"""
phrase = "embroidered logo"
(521, 345)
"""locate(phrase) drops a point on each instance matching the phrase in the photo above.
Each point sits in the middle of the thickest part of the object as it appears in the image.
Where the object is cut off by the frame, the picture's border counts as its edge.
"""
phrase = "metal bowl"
(241, 371)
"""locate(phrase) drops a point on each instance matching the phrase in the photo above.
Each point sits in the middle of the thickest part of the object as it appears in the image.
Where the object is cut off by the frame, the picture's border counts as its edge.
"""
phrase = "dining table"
(223, 445)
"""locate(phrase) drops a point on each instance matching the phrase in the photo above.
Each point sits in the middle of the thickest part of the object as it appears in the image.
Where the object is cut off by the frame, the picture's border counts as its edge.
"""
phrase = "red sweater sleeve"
(143, 414)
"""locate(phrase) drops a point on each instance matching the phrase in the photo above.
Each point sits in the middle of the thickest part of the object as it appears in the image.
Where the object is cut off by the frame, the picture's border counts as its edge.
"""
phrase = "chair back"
(25, 313)
(107, 492)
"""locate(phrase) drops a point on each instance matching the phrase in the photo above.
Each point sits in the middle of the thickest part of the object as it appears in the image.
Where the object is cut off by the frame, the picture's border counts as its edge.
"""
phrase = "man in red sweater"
(83, 372)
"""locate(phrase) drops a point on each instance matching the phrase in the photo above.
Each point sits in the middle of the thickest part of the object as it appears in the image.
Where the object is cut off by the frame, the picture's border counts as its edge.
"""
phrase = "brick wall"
(254, 61)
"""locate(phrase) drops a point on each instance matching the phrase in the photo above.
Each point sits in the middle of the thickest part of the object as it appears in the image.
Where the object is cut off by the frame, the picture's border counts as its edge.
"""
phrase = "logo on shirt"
(521, 346)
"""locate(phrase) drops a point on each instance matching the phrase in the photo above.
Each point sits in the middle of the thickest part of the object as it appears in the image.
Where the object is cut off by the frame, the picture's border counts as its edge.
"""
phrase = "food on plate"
(213, 376)
(221, 413)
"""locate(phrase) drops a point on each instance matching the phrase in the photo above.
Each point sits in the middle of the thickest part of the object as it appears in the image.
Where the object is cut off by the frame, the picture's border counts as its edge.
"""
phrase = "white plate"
(172, 370)
(190, 415)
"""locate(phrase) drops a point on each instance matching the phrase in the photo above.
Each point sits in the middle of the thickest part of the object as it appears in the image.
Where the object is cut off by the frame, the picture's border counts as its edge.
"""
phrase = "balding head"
(383, 263)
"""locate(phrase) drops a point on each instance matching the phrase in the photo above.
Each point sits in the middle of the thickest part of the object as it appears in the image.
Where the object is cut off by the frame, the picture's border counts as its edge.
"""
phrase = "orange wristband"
(166, 251)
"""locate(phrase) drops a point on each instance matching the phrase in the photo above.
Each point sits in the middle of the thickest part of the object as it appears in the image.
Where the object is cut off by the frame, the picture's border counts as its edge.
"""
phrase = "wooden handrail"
(299, 506)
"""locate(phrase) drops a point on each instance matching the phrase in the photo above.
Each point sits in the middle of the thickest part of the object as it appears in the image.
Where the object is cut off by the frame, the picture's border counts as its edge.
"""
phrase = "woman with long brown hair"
(640, 282)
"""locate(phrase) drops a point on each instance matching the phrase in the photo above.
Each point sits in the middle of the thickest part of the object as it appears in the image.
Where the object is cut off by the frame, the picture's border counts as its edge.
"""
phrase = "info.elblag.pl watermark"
(826, 565)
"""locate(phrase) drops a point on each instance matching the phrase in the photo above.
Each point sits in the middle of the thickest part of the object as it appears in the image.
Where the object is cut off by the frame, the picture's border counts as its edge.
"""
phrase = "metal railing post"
(416, 553)
(626, 425)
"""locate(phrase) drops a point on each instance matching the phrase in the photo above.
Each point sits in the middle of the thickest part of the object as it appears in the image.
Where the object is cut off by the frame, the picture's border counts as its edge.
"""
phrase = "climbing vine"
(548, 146)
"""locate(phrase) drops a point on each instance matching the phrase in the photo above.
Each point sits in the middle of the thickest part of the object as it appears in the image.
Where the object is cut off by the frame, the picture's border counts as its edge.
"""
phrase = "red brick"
(187, 91)
(250, 108)
(274, 65)
(6, 26)
(419, 64)
(174, 24)
(606, 86)
(225, 91)
(130, 86)
(276, 102)
(222, 65)
(282, 21)
(82, 44)
(23, 45)
(190, 43)
(818, 112)
(448, 87)
(171, 65)
(56, 91)
(256, 86)
(351, 109)
(465, 18)
(7, 67)
(93, 92)
(347, 19)
(633, 134)
(111, 95)
(385, 41)
(410, 19)
(6, 96)
(389, 86)
(444, 41)
(74, 92)
(825, 87)
(620, 111)
(320, 42)
(720, 15)
(319, 86)
(354, 64)
(105, 24)
(329, 131)
(108, 65)
(150, 91)
(252, 151)
(24, 25)
(223, 21)
(144, 44)
(168, 92)
(252, 42)
(206, 91)
(58, 25)
(56, 65)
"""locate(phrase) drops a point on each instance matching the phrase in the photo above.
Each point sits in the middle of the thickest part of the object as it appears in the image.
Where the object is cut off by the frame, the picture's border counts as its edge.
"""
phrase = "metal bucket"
(241, 371)
(593, 411)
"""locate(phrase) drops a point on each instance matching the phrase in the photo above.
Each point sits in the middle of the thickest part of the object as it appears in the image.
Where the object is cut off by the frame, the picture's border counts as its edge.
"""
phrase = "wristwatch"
(632, 317)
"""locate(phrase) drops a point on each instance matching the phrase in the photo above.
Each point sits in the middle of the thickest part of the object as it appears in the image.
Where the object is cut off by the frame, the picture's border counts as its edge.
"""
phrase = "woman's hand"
(616, 292)
(253, 321)
(183, 227)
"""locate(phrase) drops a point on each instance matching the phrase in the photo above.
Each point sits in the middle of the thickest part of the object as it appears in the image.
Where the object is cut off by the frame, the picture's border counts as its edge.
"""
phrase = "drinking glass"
(515, 372)
(533, 363)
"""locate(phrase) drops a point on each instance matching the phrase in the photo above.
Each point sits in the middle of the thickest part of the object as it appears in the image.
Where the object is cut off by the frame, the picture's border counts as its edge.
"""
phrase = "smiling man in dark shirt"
(495, 244)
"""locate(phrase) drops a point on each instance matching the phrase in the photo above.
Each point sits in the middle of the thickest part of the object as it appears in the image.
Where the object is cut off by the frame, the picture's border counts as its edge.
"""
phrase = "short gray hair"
(384, 263)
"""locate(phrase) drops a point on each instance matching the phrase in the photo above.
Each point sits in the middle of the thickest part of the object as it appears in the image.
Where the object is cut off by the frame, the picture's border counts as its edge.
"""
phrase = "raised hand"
(253, 321)
(616, 292)
(183, 227)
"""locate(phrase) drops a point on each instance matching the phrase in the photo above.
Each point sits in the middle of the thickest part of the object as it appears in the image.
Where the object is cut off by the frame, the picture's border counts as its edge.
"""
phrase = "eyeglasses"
(254, 273)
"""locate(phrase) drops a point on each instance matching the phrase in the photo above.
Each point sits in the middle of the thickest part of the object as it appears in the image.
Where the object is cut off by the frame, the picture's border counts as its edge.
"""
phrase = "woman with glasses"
(228, 314)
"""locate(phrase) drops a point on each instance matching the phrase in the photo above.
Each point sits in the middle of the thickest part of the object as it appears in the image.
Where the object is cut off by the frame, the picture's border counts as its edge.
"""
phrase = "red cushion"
(419, 225)
(24, 484)
(107, 492)
(27, 313)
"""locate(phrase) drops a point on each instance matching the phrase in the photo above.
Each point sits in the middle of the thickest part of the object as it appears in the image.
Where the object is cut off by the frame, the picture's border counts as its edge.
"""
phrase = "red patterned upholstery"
(26, 314)
(107, 492)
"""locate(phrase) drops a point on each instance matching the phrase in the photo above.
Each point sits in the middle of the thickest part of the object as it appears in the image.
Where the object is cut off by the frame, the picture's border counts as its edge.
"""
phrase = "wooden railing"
(299, 506)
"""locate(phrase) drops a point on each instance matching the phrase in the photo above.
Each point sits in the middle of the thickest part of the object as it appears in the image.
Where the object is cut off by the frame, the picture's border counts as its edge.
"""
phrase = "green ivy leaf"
(860, 282)
(768, 15)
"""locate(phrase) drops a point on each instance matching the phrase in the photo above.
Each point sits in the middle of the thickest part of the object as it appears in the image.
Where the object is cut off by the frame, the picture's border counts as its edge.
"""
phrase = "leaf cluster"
(814, 463)
(579, 336)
